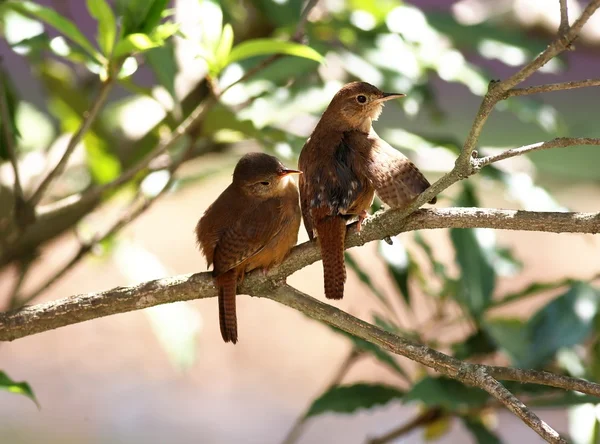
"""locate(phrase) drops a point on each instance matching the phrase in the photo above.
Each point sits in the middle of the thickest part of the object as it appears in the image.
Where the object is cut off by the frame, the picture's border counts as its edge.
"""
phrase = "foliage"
(136, 37)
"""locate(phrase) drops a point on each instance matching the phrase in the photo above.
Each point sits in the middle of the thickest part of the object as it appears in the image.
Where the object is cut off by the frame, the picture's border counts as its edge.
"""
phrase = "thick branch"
(559, 142)
(87, 121)
(44, 317)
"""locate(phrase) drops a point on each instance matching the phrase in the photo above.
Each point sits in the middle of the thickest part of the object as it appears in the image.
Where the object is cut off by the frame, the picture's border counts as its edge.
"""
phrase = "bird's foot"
(362, 216)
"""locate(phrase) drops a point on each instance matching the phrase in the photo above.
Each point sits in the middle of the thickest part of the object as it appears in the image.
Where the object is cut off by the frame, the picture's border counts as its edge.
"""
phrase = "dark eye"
(361, 99)
(265, 183)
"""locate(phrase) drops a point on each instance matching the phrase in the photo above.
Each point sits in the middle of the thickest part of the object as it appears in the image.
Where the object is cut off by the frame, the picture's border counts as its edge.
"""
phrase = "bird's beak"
(285, 172)
(390, 96)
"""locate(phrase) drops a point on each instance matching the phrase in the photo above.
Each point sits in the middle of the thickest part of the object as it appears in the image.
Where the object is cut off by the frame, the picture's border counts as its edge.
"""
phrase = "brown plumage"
(344, 163)
(253, 224)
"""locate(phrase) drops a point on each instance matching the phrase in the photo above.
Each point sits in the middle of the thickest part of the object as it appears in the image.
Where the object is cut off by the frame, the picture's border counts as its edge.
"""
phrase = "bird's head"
(356, 105)
(261, 175)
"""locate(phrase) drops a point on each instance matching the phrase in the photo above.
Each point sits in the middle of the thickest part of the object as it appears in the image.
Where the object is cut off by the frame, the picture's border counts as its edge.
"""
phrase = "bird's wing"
(247, 236)
(329, 181)
(397, 181)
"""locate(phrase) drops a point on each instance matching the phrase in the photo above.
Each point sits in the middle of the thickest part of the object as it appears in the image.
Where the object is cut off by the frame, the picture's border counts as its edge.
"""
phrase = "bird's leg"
(361, 216)
(241, 276)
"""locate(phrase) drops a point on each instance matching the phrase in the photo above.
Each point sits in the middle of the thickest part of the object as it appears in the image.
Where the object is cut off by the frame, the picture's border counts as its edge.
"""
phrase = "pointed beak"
(390, 96)
(285, 172)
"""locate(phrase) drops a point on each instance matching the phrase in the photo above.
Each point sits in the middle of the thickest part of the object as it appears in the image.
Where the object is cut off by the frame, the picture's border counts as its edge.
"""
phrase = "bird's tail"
(331, 233)
(227, 285)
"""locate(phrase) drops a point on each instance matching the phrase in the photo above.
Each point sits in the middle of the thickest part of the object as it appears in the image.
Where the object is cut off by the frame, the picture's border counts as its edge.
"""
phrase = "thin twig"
(23, 268)
(296, 430)
(132, 212)
(484, 381)
(9, 137)
(559, 142)
(424, 418)
(552, 87)
(86, 123)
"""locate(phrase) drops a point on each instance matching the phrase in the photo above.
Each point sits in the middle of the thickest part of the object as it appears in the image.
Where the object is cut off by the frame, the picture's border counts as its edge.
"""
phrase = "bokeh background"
(163, 374)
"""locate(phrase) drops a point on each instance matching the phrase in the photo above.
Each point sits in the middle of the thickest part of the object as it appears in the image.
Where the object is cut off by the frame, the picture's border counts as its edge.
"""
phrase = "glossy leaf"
(260, 47)
(54, 19)
(478, 344)
(437, 429)
(447, 393)
(480, 432)
(224, 47)
(350, 398)
(12, 102)
(135, 43)
(477, 278)
(510, 335)
(564, 322)
(163, 64)
(154, 15)
(21, 388)
(107, 27)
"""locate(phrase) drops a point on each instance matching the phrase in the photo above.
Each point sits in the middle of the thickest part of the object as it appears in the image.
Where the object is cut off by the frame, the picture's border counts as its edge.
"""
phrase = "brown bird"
(253, 224)
(344, 163)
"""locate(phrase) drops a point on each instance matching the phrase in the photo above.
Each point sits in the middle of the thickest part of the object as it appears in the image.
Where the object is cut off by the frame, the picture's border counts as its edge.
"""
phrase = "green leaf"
(134, 43)
(62, 24)
(477, 278)
(224, 47)
(438, 268)
(511, 336)
(481, 433)
(447, 393)
(163, 63)
(259, 47)
(12, 101)
(435, 430)
(383, 356)
(564, 322)
(154, 15)
(133, 13)
(350, 398)
(21, 388)
(478, 344)
(107, 27)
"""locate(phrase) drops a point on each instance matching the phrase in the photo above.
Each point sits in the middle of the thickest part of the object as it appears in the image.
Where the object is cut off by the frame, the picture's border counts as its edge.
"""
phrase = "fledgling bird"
(253, 224)
(344, 163)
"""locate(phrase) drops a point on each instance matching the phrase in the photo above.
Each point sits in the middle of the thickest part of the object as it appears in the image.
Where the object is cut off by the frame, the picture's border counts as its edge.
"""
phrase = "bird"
(253, 224)
(344, 163)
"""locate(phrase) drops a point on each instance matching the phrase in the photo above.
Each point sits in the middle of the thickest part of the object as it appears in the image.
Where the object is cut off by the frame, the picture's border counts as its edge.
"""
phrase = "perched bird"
(344, 163)
(253, 224)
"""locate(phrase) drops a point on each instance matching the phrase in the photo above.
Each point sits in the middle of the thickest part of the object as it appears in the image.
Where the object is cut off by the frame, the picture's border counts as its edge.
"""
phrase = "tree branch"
(44, 317)
(559, 142)
(483, 380)
(86, 123)
(564, 17)
(552, 87)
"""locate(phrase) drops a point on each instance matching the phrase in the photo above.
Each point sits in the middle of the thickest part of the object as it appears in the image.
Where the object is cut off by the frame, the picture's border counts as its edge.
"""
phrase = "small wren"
(345, 163)
(253, 224)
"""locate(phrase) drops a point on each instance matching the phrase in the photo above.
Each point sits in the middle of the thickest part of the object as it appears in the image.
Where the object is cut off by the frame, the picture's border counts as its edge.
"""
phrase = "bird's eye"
(265, 183)
(361, 99)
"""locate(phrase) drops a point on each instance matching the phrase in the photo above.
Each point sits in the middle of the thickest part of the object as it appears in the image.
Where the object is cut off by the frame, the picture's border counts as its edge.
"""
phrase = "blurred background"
(163, 374)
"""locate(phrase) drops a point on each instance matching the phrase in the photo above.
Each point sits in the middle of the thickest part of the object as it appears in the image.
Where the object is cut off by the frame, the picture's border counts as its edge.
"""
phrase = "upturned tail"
(227, 285)
(331, 233)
